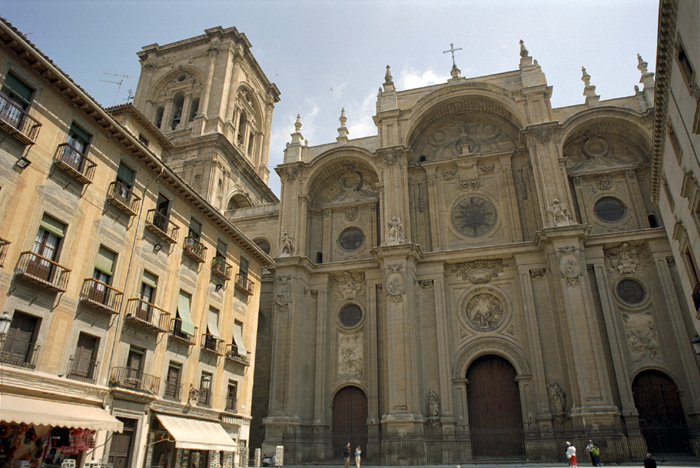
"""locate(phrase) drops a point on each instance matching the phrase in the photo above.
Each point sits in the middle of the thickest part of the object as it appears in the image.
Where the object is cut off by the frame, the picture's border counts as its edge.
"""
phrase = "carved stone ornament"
(283, 292)
(570, 265)
(349, 284)
(390, 158)
(624, 258)
(395, 284)
(485, 312)
(287, 243)
(557, 399)
(480, 271)
(543, 135)
(395, 234)
(602, 181)
(350, 357)
(449, 174)
(291, 173)
(559, 215)
(487, 168)
(470, 184)
(433, 404)
(642, 339)
(351, 213)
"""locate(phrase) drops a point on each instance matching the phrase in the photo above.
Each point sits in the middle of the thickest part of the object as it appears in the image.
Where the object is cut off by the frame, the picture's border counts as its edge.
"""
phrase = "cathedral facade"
(484, 278)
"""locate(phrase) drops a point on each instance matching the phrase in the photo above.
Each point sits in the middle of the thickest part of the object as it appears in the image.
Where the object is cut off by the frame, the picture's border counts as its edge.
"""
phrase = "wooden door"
(20, 339)
(350, 420)
(122, 445)
(134, 364)
(85, 352)
(46, 245)
(661, 417)
(495, 418)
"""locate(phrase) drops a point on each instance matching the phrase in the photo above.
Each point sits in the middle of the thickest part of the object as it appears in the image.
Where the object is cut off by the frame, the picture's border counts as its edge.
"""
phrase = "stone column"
(444, 331)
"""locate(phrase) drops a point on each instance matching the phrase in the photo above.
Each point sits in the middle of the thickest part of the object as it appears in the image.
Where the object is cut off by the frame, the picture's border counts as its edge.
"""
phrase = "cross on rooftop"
(452, 50)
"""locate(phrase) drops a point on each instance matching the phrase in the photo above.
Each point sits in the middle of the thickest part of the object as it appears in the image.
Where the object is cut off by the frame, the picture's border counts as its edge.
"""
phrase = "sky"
(326, 55)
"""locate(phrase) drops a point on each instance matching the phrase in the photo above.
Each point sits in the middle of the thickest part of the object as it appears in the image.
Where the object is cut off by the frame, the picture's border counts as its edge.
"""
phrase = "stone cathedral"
(484, 278)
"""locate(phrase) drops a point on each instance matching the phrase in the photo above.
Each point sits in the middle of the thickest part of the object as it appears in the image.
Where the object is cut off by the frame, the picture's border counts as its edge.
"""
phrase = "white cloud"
(410, 78)
(360, 123)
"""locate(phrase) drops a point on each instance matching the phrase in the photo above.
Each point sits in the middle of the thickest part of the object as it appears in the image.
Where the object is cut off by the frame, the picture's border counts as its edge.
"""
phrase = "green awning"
(183, 310)
(53, 226)
(18, 87)
(150, 279)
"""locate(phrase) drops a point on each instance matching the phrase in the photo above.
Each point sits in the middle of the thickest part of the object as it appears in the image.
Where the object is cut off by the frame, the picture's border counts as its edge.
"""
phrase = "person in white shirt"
(571, 454)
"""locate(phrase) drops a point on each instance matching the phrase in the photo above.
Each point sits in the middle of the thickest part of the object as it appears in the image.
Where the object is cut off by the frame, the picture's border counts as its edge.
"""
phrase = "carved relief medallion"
(570, 265)
(484, 312)
(395, 284)
(350, 357)
(283, 293)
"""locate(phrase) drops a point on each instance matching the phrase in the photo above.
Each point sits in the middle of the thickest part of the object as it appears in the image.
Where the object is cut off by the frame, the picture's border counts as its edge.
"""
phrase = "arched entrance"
(350, 420)
(495, 419)
(661, 417)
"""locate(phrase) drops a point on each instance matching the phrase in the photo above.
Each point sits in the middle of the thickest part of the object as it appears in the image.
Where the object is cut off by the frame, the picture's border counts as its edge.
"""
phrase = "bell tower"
(210, 98)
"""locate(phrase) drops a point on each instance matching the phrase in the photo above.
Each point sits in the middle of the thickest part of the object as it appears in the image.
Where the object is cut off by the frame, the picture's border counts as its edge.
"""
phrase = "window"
(631, 291)
(74, 152)
(20, 341)
(143, 140)
(83, 363)
(264, 245)
(213, 335)
(205, 386)
(47, 248)
(104, 270)
(221, 248)
(160, 217)
(124, 182)
(238, 346)
(685, 66)
(243, 267)
(194, 107)
(158, 120)
(351, 238)
(610, 209)
(18, 98)
(184, 326)
(178, 102)
(134, 367)
(675, 145)
(172, 381)
(231, 394)
(149, 284)
(195, 229)
(350, 315)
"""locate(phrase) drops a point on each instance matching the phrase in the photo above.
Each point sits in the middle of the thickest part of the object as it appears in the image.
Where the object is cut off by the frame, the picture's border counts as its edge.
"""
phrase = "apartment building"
(129, 304)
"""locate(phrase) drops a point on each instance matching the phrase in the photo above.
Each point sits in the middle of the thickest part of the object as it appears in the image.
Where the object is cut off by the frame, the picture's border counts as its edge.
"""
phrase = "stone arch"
(238, 200)
(350, 414)
(331, 166)
(498, 346)
(175, 92)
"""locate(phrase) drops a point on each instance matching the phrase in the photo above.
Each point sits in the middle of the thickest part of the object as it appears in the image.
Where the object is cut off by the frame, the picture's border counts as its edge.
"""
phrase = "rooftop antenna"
(130, 96)
(119, 83)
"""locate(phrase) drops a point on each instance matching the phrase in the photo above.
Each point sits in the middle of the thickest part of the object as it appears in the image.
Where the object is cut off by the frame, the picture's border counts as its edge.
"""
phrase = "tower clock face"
(474, 216)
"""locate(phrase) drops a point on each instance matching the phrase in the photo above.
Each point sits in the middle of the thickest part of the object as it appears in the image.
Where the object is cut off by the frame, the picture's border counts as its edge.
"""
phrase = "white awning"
(41, 412)
(195, 434)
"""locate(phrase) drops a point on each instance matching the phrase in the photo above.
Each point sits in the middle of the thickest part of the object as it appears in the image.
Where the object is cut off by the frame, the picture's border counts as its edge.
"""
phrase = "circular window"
(474, 216)
(350, 315)
(351, 238)
(610, 209)
(631, 291)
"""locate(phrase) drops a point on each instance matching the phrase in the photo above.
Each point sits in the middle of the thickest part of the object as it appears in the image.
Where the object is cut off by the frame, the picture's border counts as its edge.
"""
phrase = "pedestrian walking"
(649, 461)
(571, 454)
(594, 452)
(358, 456)
(346, 454)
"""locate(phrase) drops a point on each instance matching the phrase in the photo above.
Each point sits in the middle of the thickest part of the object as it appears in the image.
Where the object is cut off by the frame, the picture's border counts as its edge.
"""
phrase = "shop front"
(37, 432)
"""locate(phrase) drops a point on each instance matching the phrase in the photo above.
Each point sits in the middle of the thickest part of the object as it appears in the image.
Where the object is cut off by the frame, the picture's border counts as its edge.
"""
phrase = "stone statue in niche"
(559, 215)
(433, 404)
(395, 234)
(557, 399)
(349, 284)
(287, 244)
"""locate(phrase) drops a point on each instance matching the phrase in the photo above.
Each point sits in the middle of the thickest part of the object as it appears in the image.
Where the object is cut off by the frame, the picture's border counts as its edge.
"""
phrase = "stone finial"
(342, 130)
(387, 77)
(592, 98)
(293, 151)
(647, 78)
(642, 65)
(297, 124)
(523, 50)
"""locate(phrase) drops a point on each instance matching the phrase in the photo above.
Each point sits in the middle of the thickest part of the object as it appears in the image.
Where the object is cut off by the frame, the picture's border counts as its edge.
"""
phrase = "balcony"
(101, 296)
(172, 391)
(175, 331)
(15, 121)
(75, 163)
(82, 369)
(41, 271)
(146, 315)
(134, 379)
(213, 345)
(233, 355)
(220, 268)
(243, 284)
(161, 226)
(19, 352)
(3, 250)
(194, 249)
(123, 198)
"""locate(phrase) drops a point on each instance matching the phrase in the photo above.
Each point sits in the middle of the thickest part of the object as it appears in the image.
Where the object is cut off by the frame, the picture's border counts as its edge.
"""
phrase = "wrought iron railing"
(82, 368)
(161, 226)
(134, 379)
(194, 249)
(17, 351)
(17, 121)
(244, 284)
(40, 270)
(233, 354)
(147, 314)
(172, 391)
(212, 344)
(220, 268)
(75, 163)
(175, 331)
(101, 295)
(123, 198)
